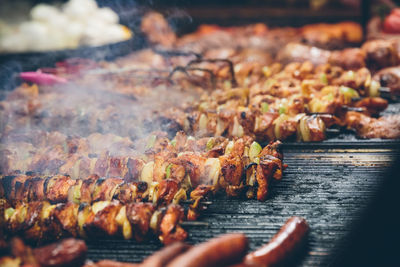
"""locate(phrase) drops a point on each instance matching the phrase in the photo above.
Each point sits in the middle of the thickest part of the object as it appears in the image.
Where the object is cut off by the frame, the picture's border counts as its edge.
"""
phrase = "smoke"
(14, 11)
(107, 109)
(108, 112)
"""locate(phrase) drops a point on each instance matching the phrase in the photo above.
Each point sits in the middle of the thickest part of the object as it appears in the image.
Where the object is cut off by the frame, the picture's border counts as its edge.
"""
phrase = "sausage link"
(68, 252)
(224, 250)
(281, 245)
(111, 263)
(164, 256)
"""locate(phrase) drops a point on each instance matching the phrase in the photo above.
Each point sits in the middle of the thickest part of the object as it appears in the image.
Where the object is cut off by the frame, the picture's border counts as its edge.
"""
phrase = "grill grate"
(327, 183)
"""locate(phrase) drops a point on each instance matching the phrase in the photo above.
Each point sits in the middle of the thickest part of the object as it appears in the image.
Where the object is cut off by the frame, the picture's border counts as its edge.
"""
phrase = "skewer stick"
(194, 223)
(176, 53)
(356, 109)
(227, 61)
(332, 131)
(385, 90)
(201, 202)
(186, 69)
(355, 99)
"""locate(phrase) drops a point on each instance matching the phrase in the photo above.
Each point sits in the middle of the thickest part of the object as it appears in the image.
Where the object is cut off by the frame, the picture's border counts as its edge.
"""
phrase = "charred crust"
(7, 184)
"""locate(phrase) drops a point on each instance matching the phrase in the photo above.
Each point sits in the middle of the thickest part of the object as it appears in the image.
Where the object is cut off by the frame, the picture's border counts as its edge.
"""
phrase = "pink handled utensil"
(41, 78)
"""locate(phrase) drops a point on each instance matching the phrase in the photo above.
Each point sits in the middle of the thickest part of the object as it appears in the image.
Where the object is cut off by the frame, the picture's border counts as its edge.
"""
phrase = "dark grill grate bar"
(327, 183)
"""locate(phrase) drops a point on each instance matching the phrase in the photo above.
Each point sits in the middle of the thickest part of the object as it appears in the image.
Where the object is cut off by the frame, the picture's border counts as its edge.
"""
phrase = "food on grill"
(163, 177)
(299, 101)
(157, 29)
(68, 252)
(220, 251)
(290, 236)
(386, 127)
(164, 256)
(111, 263)
(40, 220)
(259, 36)
(374, 54)
(390, 78)
(77, 23)
(332, 36)
(64, 253)
(102, 153)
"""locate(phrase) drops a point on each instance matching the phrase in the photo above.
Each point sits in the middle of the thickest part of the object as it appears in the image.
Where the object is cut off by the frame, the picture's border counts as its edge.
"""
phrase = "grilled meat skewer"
(40, 220)
(165, 178)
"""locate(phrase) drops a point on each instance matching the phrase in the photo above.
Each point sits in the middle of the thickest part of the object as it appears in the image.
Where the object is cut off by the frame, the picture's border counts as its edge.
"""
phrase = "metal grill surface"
(327, 183)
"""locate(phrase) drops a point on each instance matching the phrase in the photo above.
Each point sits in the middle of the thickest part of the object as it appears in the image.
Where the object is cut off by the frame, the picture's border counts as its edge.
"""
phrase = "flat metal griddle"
(327, 183)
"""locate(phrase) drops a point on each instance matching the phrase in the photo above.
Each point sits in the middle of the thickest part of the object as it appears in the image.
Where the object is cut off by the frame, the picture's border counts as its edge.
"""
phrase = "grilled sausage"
(281, 245)
(220, 251)
(69, 252)
(164, 256)
(110, 263)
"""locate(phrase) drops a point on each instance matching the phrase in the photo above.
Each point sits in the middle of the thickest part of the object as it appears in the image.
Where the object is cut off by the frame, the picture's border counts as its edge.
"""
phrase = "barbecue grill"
(329, 183)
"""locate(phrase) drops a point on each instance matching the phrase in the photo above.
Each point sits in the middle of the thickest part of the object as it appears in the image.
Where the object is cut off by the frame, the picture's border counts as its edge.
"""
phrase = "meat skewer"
(165, 179)
(375, 55)
(387, 127)
(40, 221)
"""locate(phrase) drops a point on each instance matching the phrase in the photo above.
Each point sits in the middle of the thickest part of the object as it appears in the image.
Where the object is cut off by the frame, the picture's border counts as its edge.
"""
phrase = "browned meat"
(41, 221)
(387, 127)
(332, 36)
(157, 29)
(68, 252)
(270, 166)
(56, 188)
(162, 257)
(295, 52)
(105, 221)
(64, 217)
(197, 195)
(111, 263)
(373, 105)
(220, 251)
(167, 190)
(380, 54)
(349, 58)
(170, 230)
(139, 215)
(105, 188)
(23, 253)
(281, 245)
(389, 77)
(193, 164)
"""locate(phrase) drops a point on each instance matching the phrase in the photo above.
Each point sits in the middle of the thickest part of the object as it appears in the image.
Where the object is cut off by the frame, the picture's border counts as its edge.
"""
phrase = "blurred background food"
(61, 26)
